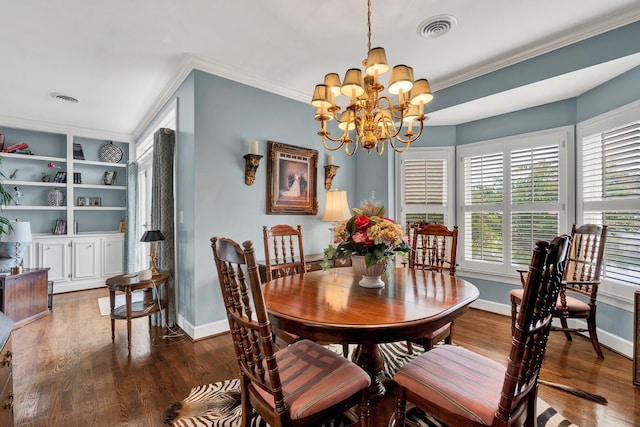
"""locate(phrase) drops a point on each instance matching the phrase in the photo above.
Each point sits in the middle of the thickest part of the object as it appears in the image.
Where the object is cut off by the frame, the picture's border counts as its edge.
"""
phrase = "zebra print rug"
(218, 404)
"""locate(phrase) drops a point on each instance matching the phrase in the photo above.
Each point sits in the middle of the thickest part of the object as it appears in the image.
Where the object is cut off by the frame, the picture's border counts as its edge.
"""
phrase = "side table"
(129, 283)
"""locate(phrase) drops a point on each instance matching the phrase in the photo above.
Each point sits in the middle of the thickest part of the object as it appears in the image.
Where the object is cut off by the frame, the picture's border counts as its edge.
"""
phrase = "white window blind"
(425, 186)
(611, 191)
(513, 194)
(484, 178)
(534, 185)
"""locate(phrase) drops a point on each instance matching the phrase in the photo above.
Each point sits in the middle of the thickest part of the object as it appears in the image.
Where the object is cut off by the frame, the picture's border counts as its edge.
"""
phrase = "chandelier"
(371, 114)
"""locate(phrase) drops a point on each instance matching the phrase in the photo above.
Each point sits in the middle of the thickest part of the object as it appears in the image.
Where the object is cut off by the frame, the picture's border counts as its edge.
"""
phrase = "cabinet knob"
(8, 357)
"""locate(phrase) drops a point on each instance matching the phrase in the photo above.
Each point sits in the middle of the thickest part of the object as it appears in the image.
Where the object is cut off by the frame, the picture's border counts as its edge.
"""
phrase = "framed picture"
(95, 201)
(109, 177)
(291, 180)
(82, 201)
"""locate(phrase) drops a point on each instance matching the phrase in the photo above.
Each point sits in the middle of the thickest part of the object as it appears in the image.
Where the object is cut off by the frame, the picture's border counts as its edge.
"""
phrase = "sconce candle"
(330, 159)
(254, 147)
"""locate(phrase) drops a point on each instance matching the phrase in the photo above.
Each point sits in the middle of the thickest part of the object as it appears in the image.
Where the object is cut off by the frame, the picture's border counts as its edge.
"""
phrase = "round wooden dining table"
(330, 306)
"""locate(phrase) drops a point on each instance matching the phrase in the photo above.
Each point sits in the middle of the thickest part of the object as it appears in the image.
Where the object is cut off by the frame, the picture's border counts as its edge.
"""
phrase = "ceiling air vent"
(437, 26)
(63, 97)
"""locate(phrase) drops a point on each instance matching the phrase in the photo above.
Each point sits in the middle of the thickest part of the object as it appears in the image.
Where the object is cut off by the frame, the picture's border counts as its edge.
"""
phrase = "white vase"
(370, 275)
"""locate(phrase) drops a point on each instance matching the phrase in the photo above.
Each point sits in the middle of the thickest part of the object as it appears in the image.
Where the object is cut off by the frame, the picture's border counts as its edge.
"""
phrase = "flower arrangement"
(368, 233)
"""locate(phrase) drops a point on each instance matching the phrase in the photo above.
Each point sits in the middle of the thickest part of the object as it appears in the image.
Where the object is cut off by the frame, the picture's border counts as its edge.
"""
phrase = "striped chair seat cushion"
(315, 378)
(574, 305)
(457, 380)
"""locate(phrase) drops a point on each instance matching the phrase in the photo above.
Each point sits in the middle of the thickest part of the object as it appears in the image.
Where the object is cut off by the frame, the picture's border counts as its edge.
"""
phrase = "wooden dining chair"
(462, 388)
(433, 247)
(283, 251)
(284, 256)
(303, 384)
(581, 278)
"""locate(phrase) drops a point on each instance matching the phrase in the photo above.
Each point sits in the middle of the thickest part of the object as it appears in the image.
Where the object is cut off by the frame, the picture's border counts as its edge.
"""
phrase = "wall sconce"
(329, 172)
(252, 163)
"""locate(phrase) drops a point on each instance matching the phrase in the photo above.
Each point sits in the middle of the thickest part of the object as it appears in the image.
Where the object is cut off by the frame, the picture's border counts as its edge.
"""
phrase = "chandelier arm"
(407, 141)
(355, 148)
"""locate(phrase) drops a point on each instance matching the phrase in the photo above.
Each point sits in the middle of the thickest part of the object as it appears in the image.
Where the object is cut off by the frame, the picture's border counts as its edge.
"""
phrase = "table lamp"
(153, 237)
(336, 209)
(20, 232)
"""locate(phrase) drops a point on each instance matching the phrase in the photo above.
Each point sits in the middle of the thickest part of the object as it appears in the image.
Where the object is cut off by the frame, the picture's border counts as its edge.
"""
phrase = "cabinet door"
(85, 259)
(112, 255)
(55, 255)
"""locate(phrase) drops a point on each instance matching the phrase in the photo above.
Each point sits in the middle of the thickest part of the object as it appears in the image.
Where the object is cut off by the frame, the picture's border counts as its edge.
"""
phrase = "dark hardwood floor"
(67, 372)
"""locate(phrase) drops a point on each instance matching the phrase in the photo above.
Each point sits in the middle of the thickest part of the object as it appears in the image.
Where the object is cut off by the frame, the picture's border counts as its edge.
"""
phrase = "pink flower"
(362, 222)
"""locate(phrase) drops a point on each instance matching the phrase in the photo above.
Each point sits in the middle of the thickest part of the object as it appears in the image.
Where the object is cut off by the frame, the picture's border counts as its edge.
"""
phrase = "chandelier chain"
(368, 25)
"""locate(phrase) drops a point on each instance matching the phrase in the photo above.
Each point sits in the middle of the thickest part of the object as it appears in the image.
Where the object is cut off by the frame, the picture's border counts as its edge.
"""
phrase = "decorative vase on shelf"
(371, 276)
(55, 197)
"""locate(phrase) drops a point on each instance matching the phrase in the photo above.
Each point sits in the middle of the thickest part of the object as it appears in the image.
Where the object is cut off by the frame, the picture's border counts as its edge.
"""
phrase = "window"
(425, 188)
(512, 193)
(609, 185)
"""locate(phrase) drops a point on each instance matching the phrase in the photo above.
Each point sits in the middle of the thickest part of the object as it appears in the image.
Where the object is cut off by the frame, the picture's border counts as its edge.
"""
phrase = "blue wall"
(217, 119)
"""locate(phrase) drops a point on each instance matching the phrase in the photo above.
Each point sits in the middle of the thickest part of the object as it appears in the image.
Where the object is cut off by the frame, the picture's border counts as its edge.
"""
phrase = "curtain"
(162, 210)
(130, 238)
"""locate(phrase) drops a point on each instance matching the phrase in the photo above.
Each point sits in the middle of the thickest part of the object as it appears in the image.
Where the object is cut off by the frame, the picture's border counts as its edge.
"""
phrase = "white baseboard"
(77, 285)
(203, 331)
(607, 339)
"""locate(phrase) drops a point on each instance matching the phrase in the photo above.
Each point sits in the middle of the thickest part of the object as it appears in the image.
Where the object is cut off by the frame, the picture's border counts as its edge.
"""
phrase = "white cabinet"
(112, 255)
(85, 258)
(54, 253)
(79, 262)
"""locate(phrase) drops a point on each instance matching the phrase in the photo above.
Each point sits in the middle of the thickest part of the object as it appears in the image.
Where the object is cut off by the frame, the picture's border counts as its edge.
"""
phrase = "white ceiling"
(122, 58)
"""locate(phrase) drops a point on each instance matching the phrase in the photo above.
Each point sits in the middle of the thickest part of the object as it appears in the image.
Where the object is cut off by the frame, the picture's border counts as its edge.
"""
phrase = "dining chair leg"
(398, 417)
(565, 326)
(365, 408)
(593, 335)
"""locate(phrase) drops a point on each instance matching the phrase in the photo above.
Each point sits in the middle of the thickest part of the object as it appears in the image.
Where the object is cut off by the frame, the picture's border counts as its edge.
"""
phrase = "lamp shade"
(336, 207)
(21, 232)
(152, 236)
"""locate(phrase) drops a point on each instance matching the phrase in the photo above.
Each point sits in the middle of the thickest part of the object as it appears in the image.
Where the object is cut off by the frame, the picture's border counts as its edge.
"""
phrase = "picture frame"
(82, 201)
(95, 201)
(291, 180)
(109, 177)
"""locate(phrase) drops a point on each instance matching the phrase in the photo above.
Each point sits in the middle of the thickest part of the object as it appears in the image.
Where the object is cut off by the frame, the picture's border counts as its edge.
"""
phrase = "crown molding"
(191, 62)
(30, 124)
(602, 26)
